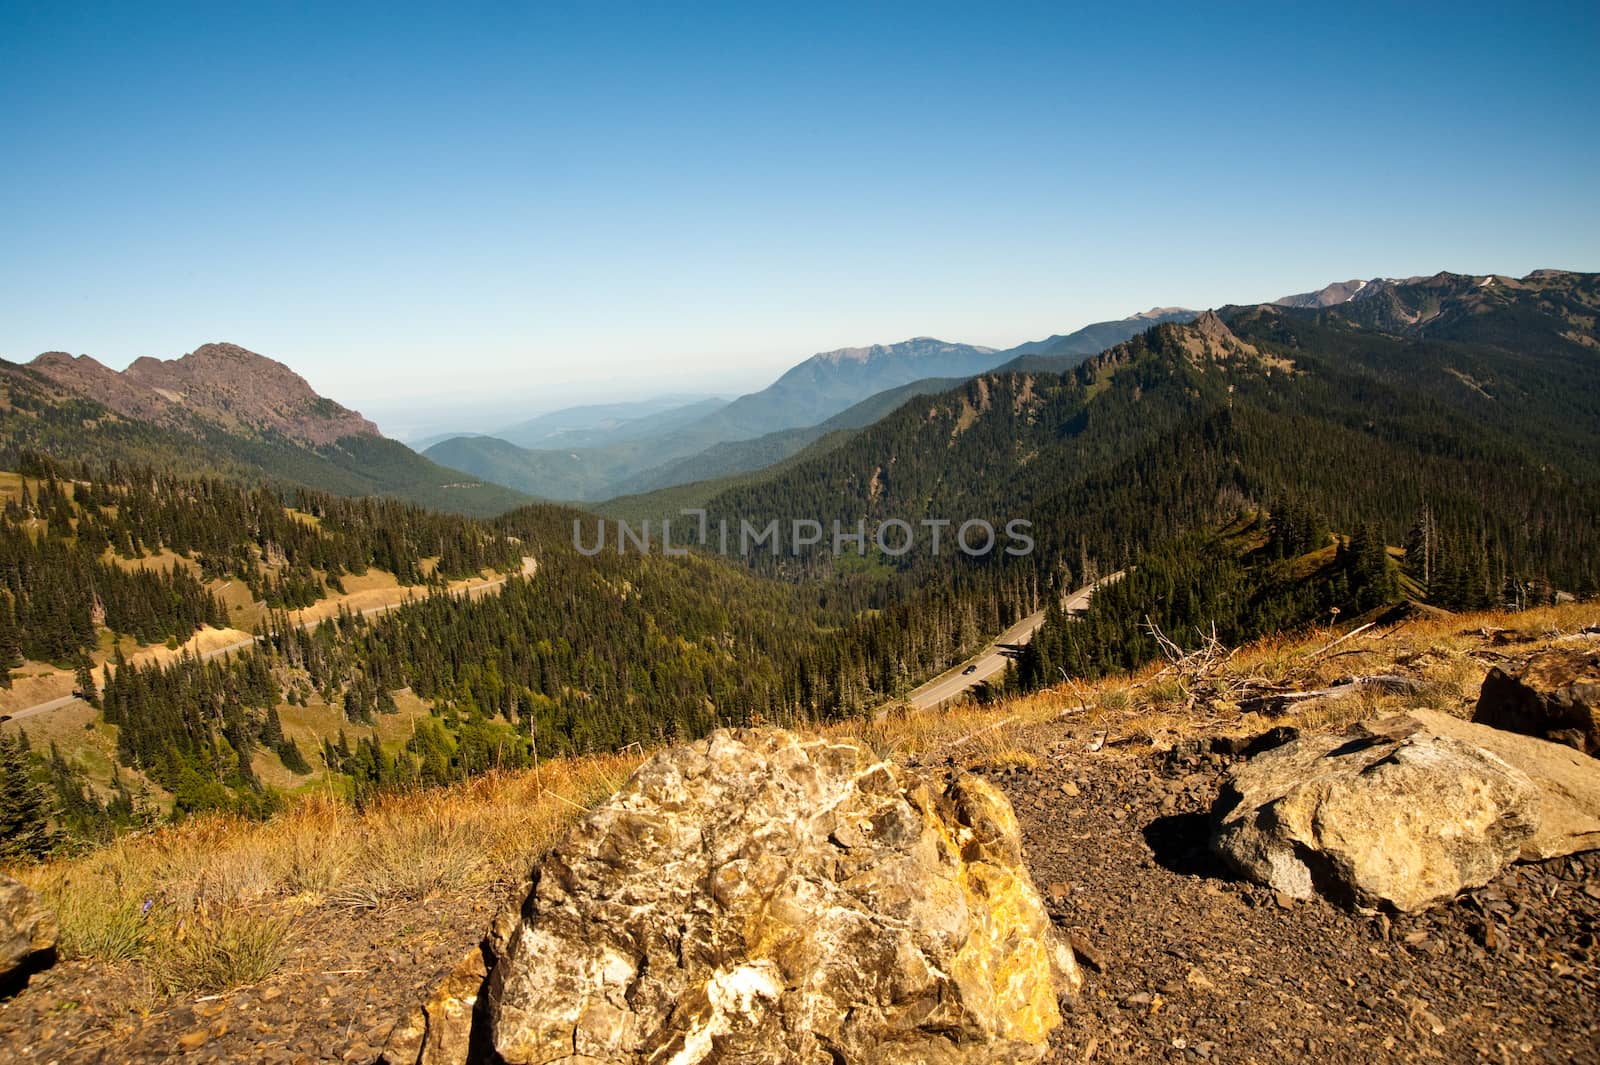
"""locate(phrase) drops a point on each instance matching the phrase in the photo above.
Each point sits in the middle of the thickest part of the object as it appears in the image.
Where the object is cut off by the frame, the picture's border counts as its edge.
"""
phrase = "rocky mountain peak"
(1334, 294)
(916, 347)
(1212, 327)
(221, 383)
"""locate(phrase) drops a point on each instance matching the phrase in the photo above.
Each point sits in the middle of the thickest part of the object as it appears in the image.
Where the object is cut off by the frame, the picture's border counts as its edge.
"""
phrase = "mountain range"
(224, 407)
(805, 404)
(1476, 401)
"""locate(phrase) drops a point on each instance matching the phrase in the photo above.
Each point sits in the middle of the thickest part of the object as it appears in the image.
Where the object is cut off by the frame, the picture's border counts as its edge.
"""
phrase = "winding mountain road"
(992, 660)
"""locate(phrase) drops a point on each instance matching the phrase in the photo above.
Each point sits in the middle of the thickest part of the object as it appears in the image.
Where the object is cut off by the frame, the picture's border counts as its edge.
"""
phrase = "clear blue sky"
(544, 203)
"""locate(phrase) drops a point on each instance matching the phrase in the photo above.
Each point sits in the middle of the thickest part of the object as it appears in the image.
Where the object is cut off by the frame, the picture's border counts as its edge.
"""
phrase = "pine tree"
(83, 684)
(25, 811)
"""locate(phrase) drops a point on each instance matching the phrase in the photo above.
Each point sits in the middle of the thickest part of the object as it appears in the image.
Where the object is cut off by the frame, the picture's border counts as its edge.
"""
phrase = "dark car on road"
(969, 669)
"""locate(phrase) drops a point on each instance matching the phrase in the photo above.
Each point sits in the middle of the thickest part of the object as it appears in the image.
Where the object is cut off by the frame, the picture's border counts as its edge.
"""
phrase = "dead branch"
(1277, 702)
(1353, 632)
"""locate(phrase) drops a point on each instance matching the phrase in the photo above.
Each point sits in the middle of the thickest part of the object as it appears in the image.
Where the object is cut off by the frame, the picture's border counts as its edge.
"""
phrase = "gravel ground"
(351, 976)
(1185, 963)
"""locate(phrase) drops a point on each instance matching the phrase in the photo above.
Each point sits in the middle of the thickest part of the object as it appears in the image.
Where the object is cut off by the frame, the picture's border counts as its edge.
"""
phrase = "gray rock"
(1397, 816)
(761, 898)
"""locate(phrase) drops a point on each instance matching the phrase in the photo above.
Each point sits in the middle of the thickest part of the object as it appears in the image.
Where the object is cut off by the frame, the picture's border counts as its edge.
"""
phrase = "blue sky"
(432, 210)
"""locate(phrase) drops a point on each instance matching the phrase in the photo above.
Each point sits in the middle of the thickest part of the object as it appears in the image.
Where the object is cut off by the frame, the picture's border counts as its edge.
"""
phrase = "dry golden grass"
(221, 950)
(1449, 655)
(209, 904)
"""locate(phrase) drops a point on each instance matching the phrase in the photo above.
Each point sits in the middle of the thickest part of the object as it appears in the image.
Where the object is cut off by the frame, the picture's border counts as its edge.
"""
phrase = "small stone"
(1284, 900)
(1069, 789)
(192, 1041)
(1084, 950)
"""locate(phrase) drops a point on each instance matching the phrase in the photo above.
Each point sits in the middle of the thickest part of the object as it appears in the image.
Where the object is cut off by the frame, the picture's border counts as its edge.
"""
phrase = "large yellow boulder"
(759, 897)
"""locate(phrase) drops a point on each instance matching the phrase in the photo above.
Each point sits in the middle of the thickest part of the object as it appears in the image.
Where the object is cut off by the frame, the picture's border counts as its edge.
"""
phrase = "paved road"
(529, 568)
(42, 708)
(992, 660)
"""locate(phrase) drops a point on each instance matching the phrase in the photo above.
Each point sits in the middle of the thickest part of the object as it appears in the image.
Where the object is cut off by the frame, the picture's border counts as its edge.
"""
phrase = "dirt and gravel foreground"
(1183, 962)
(1187, 964)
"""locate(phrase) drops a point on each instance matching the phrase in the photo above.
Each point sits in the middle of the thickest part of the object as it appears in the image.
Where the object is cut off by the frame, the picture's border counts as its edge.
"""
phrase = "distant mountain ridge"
(1508, 311)
(598, 424)
(830, 381)
(1094, 338)
(807, 394)
(806, 403)
(224, 384)
(1413, 304)
(1329, 295)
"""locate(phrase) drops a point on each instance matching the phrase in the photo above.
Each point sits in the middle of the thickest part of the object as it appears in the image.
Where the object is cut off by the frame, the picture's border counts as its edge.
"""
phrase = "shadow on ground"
(1179, 843)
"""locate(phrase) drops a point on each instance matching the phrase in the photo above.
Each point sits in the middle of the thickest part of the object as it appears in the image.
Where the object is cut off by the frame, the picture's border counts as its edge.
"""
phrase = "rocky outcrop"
(1568, 783)
(1554, 695)
(223, 384)
(27, 933)
(762, 898)
(1393, 816)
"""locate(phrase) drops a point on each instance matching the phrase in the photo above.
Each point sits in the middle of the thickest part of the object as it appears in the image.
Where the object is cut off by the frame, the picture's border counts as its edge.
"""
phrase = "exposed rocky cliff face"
(223, 384)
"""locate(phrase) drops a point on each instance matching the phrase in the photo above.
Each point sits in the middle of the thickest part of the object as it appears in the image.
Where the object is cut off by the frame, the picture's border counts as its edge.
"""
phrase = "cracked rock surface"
(757, 897)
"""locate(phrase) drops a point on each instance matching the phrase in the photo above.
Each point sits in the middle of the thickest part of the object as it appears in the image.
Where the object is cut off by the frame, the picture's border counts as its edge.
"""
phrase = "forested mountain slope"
(573, 653)
(1496, 431)
(1478, 453)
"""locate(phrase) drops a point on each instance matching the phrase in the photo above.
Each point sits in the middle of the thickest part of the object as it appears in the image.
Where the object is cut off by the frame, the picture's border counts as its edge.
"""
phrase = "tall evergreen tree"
(25, 809)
